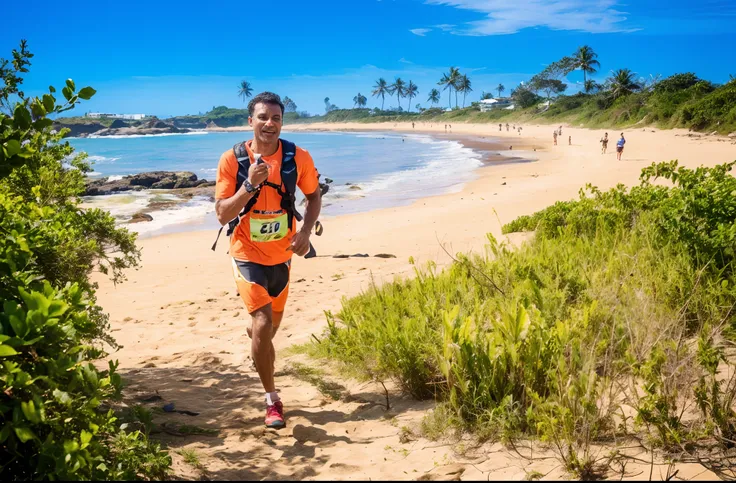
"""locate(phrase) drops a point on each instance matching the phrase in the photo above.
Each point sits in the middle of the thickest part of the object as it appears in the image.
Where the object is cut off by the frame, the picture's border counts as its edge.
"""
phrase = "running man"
(620, 147)
(604, 143)
(266, 236)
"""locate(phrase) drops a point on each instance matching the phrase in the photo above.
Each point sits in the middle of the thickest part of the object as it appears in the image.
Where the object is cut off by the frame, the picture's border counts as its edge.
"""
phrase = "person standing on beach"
(500, 126)
(560, 130)
(266, 237)
(569, 140)
(519, 130)
(554, 137)
(620, 147)
(507, 127)
(604, 143)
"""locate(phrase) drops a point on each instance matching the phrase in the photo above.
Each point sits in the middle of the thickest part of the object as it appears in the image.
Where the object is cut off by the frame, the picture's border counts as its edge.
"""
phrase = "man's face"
(266, 122)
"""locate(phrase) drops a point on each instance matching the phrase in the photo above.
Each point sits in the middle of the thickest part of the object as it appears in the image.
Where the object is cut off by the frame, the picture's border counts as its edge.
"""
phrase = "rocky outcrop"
(118, 123)
(79, 130)
(139, 217)
(150, 180)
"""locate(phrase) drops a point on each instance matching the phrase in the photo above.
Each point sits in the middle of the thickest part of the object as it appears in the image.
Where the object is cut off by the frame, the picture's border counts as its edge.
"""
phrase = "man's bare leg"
(276, 318)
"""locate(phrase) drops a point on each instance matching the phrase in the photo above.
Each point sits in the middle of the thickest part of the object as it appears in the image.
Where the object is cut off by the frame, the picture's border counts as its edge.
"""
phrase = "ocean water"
(370, 171)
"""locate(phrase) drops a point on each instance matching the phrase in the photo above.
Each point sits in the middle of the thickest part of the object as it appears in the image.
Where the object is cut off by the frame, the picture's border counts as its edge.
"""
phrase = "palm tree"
(500, 88)
(622, 83)
(449, 80)
(380, 90)
(434, 96)
(245, 90)
(411, 91)
(463, 85)
(398, 87)
(359, 100)
(584, 59)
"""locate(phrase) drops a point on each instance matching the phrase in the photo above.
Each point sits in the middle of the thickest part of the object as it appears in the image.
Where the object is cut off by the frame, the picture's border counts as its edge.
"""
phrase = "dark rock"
(152, 180)
(78, 130)
(139, 217)
(117, 123)
(360, 255)
(385, 255)
(355, 187)
(164, 184)
(340, 256)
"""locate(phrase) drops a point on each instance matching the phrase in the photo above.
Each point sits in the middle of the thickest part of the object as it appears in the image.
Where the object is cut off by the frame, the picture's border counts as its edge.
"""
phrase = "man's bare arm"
(312, 210)
(227, 209)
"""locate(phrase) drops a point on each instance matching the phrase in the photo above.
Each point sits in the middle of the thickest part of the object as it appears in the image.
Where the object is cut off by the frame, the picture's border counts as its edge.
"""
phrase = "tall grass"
(623, 300)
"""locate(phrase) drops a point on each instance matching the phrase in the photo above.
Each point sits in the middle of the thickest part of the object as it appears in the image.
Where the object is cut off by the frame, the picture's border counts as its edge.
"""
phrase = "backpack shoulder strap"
(288, 166)
(241, 155)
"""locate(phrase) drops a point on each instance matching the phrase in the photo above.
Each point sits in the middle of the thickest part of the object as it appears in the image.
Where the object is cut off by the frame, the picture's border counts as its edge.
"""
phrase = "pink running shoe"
(275, 416)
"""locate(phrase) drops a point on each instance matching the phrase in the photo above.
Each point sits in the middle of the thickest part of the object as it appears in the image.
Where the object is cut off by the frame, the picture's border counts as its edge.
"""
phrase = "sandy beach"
(182, 324)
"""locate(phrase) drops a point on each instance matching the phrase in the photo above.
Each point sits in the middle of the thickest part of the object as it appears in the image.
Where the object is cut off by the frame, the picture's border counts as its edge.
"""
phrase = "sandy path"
(183, 327)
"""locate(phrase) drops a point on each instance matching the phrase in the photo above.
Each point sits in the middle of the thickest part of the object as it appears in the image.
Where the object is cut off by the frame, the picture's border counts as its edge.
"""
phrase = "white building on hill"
(97, 115)
(500, 103)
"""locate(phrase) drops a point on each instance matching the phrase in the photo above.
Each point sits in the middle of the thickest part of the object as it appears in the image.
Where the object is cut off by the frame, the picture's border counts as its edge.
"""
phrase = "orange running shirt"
(268, 206)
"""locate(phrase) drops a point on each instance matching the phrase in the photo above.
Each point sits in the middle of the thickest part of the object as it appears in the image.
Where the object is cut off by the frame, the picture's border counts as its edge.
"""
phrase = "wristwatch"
(249, 187)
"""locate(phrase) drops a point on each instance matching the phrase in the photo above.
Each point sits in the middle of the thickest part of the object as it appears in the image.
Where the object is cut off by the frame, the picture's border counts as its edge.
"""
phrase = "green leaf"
(6, 350)
(86, 93)
(24, 434)
(11, 147)
(38, 109)
(30, 412)
(48, 102)
(21, 117)
(57, 308)
(52, 89)
(5, 432)
(19, 326)
(70, 84)
(85, 437)
(43, 123)
(67, 93)
(61, 396)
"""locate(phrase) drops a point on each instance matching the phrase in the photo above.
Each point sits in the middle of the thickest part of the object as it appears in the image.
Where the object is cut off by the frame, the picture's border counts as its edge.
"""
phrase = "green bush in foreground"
(622, 299)
(54, 423)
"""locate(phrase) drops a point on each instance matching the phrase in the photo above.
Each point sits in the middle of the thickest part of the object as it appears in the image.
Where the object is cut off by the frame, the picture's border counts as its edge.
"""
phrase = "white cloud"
(419, 32)
(510, 16)
(404, 61)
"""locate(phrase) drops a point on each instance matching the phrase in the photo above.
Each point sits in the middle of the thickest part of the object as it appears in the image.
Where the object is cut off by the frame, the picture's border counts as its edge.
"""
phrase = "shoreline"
(488, 150)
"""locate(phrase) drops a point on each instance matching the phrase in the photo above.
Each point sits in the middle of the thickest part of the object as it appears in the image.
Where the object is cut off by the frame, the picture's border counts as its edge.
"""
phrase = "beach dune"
(182, 324)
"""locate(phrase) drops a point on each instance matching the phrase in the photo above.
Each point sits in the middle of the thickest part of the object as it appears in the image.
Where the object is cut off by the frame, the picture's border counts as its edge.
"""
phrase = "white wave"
(194, 210)
(133, 136)
(448, 166)
(114, 177)
(101, 159)
(93, 174)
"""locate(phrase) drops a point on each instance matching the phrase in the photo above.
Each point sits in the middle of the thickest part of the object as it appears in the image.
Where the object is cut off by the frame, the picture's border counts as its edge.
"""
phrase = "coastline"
(182, 323)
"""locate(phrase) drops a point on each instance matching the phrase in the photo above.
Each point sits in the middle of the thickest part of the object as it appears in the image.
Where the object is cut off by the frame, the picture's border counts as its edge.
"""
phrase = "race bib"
(269, 229)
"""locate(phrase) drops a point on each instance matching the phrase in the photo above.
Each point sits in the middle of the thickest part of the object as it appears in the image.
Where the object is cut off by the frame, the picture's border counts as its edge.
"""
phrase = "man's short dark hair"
(266, 98)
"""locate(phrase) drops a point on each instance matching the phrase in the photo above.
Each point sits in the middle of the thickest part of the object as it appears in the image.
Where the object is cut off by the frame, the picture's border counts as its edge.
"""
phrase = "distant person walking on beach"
(604, 143)
(620, 147)
(554, 137)
(500, 126)
(507, 127)
(569, 140)
(560, 130)
(519, 130)
(256, 180)
(412, 125)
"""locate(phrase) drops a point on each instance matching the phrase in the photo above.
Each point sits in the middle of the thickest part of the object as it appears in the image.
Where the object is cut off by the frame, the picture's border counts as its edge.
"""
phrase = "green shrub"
(52, 398)
(552, 338)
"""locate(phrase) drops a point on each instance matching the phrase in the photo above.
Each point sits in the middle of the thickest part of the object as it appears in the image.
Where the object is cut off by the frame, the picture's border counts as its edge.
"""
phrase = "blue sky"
(170, 58)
